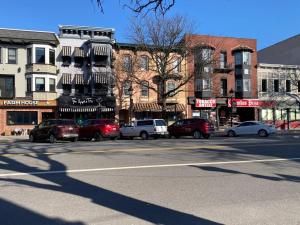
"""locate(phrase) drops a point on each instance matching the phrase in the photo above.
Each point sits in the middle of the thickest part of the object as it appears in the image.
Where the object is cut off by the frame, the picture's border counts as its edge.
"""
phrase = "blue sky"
(269, 21)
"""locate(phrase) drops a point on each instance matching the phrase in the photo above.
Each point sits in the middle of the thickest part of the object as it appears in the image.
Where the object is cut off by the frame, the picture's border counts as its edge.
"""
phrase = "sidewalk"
(13, 138)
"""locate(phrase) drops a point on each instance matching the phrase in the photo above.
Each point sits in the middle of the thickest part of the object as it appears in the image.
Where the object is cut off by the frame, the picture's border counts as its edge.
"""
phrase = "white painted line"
(145, 167)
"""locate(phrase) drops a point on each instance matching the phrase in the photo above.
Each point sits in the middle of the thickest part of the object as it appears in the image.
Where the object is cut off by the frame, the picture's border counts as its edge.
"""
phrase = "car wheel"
(144, 135)
(74, 139)
(262, 133)
(52, 138)
(206, 136)
(231, 133)
(31, 138)
(197, 134)
(98, 137)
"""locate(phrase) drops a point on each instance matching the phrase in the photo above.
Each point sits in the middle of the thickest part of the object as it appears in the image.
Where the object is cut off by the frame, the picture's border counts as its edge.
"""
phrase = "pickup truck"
(145, 128)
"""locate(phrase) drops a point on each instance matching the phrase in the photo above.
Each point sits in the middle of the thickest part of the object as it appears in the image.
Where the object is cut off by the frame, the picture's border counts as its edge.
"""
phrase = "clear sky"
(269, 21)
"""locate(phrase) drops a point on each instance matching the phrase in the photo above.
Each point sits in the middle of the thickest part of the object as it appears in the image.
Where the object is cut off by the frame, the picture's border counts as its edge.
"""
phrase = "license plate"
(70, 128)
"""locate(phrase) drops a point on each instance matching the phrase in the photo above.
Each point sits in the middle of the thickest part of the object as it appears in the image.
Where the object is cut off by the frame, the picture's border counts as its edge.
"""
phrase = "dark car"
(54, 130)
(99, 129)
(195, 127)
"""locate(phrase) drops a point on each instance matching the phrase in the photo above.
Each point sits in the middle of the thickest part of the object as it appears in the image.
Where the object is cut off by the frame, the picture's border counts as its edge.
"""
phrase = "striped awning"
(66, 51)
(85, 109)
(101, 50)
(79, 52)
(100, 78)
(79, 79)
(66, 78)
(154, 107)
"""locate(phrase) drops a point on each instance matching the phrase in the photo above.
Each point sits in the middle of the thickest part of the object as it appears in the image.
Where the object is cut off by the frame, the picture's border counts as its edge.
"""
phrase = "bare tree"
(139, 6)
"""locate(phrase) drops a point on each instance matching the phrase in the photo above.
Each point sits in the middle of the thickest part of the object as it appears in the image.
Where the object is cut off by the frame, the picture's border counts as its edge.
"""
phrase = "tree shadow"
(150, 212)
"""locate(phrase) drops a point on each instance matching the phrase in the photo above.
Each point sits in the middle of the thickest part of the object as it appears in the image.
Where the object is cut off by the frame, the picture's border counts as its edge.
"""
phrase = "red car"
(195, 127)
(98, 129)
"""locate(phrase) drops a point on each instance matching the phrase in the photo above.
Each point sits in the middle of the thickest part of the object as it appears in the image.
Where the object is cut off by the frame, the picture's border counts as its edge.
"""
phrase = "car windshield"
(160, 123)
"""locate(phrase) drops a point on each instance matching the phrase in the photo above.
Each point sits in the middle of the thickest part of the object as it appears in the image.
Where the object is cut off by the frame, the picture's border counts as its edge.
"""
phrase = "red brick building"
(230, 75)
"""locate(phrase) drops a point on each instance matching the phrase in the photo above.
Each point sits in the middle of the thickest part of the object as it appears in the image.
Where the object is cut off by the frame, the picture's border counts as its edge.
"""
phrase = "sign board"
(206, 103)
(245, 103)
(27, 103)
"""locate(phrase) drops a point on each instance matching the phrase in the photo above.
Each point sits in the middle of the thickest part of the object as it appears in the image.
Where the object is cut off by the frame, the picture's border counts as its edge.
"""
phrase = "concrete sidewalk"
(14, 138)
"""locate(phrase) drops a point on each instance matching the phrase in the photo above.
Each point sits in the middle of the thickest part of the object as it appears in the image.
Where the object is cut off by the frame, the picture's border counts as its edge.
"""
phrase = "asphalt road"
(172, 182)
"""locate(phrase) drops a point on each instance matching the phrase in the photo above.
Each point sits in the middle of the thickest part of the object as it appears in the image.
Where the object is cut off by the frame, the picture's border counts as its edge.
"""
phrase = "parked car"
(98, 129)
(145, 128)
(251, 127)
(196, 127)
(53, 130)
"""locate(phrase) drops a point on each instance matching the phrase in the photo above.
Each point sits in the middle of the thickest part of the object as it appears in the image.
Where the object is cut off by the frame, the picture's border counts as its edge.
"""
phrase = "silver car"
(251, 127)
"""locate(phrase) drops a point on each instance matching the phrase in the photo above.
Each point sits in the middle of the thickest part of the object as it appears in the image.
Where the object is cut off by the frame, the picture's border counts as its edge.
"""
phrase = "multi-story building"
(145, 102)
(279, 83)
(28, 78)
(224, 71)
(86, 77)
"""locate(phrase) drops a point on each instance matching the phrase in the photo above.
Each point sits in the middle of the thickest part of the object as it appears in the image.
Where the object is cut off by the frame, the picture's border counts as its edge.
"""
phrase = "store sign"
(245, 103)
(84, 101)
(20, 103)
(206, 103)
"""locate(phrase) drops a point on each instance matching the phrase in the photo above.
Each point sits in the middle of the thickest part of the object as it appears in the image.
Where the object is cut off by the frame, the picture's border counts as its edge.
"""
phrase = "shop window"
(264, 85)
(145, 89)
(288, 86)
(52, 56)
(67, 88)
(22, 118)
(7, 86)
(276, 85)
(52, 85)
(28, 84)
(12, 56)
(40, 55)
(144, 63)
(39, 84)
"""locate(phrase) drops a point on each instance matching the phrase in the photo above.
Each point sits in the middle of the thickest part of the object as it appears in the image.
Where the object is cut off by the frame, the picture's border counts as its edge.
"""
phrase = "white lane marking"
(145, 167)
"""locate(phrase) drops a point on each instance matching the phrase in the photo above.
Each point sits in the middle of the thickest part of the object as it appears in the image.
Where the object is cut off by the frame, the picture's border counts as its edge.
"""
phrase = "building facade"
(28, 78)
(86, 77)
(224, 71)
(143, 102)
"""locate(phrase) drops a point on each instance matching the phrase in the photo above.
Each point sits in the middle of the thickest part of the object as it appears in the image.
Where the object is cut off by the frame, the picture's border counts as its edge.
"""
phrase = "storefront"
(85, 107)
(205, 108)
(21, 115)
(245, 109)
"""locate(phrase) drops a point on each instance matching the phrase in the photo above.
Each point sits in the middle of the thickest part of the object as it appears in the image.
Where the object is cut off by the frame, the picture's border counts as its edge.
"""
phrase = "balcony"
(41, 68)
(227, 68)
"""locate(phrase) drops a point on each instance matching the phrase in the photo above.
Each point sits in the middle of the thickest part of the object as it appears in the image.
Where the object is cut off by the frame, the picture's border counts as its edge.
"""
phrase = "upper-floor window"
(127, 63)
(246, 84)
(39, 84)
(238, 85)
(0, 55)
(52, 84)
(223, 60)
(52, 56)
(79, 89)
(223, 90)
(101, 60)
(207, 54)
(144, 88)
(198, 84)
(288, 86)
(264, 85)
(298, 86)
(126, 86)
(177, 65)
(247, 58)
(144, 63)
(206, 84)
(276, 85)
(28, 84)
(40, 55)
(67, 89)
(7, 88)
(242, 58)
(66, 60)
(29, 55)
(12, 56)
(171, 86)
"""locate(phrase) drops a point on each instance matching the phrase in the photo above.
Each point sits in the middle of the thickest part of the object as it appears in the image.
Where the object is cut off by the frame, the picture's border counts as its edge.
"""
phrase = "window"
(79, 89)
(223, 60)
(12, 56)
(206, 54)
(126, 86)
(298, 86)
(246, 84)
(52, 85)
(28, 82)
(238, 58)
(246, 71)
(145, 89)
(198, 84)
(39, 84)
(145, 123)
(40, 55)
(223, 87)
(127, 63)
(238, 85)
(29, 55)
(100, 60)
(288, 86)
(0, 55)
(177, 65)
(22, 118)
(246, 58)
(144, 63)
(101, 89)
(67, 88)
(276, 85)
(7, 89)
(66, 60)
(78, 61)
(52, 56)
(264, 85)
(206, 84)
(170, 87)
(160, 123)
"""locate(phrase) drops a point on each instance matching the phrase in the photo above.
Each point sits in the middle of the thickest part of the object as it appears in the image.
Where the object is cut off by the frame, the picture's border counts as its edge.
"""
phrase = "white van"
(145, 128)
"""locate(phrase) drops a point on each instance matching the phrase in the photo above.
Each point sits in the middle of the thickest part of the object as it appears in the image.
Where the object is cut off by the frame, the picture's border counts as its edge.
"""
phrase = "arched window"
(145, 89)
(127, 63)
(144, 63)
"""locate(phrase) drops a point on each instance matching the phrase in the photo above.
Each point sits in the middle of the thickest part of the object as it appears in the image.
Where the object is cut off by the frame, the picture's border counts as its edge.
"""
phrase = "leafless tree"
(139, 6)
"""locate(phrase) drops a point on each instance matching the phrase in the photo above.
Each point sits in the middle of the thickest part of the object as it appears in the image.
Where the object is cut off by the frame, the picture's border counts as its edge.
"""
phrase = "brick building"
(231, 75)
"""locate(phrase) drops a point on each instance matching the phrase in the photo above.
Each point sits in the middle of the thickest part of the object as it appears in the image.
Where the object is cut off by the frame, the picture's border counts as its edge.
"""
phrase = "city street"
(241, 180)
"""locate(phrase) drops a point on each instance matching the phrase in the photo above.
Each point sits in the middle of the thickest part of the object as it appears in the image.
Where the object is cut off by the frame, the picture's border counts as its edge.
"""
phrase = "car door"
(84, 129)
(43, 130)
(241, 129)
(176, 128)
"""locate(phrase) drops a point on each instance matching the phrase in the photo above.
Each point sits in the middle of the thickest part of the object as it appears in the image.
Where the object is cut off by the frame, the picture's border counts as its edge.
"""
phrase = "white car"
(251, 127)
(145, 129)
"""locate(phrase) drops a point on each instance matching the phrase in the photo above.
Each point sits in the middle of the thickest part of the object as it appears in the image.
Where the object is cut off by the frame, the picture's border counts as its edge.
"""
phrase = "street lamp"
(130, 91)
(231, 92)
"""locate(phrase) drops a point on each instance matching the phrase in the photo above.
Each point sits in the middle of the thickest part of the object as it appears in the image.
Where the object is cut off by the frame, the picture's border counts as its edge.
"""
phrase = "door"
(243, 128)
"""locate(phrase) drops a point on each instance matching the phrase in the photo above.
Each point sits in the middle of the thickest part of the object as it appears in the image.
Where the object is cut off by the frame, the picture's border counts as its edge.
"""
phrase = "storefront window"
(7, 89)
(297, 114)
(39, 84)
(22, 118)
